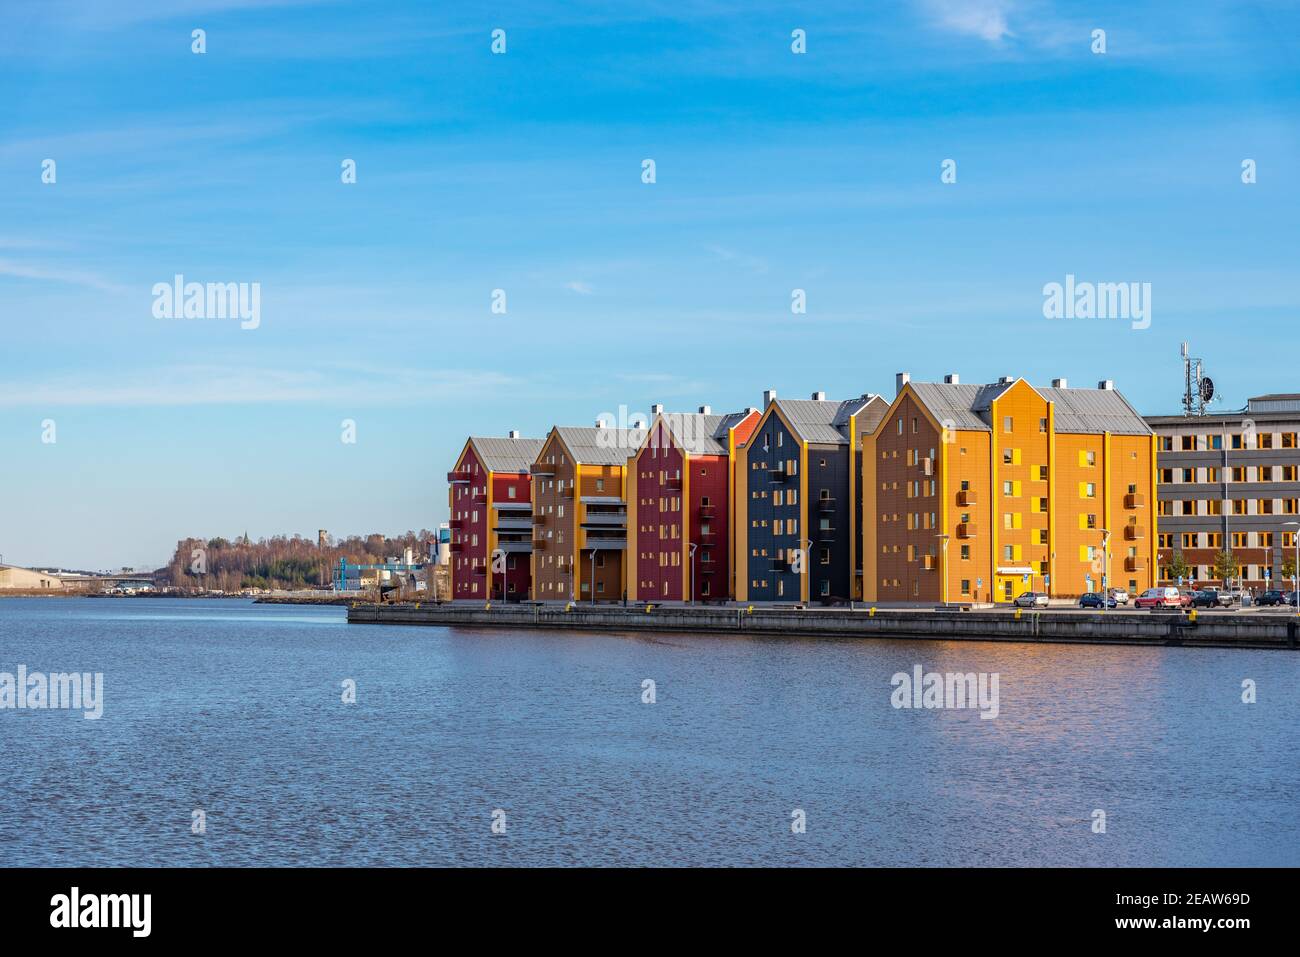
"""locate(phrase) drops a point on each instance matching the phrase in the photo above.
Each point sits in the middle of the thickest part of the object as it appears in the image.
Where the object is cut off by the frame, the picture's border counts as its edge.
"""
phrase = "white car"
(1031, 599)
(1120, 595)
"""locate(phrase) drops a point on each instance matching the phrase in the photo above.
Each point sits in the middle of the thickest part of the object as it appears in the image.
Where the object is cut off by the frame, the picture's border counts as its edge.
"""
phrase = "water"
(235, 709)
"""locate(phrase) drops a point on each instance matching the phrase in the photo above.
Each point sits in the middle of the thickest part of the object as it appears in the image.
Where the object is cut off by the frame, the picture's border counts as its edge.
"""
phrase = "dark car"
(1271, 597)
(1205, 599)
(1093, 600)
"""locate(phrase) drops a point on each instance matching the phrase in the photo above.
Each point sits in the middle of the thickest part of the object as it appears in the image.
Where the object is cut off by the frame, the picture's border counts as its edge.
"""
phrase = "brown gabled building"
(580, 514)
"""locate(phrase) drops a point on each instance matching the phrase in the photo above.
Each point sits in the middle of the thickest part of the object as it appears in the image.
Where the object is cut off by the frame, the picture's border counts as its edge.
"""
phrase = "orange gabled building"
(982, 492)
(680, 529)
(489, 495)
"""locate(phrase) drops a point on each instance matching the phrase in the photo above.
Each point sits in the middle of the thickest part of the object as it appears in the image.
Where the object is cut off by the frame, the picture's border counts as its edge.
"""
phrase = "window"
(1087, 490)
(965, 586)
(1166, 476)
(1288, 440)
(965, 552)
(511, 491)
(1042, 473)
(1188, 443)
(1166, 443)
(1008, 425)
(1042, 425)
(600, 485)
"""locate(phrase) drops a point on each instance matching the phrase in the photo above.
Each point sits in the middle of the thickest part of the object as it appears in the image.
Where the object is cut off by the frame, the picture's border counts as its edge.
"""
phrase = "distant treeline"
(280, 562)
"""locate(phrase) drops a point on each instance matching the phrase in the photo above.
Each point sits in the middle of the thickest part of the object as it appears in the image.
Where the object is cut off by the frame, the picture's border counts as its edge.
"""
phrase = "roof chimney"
(1060, 384)
(657, 408)
(1006, 380)
(769, 396)
(1107, 384)
(705, 410)
(901, 379)
(600, 423)
(514, 433)
(819, 396)
(952, 378)
(749, 409)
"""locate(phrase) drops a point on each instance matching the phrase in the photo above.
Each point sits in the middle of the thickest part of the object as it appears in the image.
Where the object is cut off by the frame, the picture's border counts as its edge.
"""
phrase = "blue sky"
(522, 172)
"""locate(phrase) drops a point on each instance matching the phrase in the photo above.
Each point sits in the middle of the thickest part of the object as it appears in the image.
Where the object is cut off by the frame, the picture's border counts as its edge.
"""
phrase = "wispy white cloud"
(239, 385)
(37, 271)
(986, 19)
(580, 287)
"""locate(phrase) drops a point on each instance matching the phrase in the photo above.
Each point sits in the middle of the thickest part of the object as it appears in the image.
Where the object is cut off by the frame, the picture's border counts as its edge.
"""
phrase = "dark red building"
(489, 494)
(679, 520)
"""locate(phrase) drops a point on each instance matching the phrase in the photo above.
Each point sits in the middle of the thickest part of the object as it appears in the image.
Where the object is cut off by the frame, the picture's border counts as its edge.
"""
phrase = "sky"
(122, 432)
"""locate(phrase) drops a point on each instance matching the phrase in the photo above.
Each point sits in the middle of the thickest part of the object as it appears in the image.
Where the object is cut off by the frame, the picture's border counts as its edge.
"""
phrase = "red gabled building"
(489, 494)
(680, 523)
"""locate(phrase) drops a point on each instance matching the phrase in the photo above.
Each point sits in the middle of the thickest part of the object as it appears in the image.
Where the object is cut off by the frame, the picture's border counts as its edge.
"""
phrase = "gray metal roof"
(702, 434)
(967, 406)
(592, 446)
(823, 421)
(506, 455)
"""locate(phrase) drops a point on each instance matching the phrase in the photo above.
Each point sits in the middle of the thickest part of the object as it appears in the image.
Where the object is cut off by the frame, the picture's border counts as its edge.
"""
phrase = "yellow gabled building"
(982, 492)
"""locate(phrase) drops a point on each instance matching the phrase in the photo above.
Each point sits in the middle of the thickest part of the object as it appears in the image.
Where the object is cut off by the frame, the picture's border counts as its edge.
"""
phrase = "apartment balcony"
(539, 544)
(479, 571)
(1132, 564)
(541, 468)
(567, 492)
(601, 520)
(456, 547)
(509, 506)
(929, 562)
(967, 529)
(778, 474)
(826, 505)
(708, 535)
(458, 524)
(510, 523)
(825, 534)
(606, 542)
(780, 565)
(1135, 500)
(707, 511)
(539, 520)
(1135, 533)
(673, 483)
(966, 497)
(522, 546)
(459, 477)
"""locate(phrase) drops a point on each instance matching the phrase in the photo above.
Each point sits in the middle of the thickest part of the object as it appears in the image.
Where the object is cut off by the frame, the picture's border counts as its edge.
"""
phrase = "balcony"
(826, 505)
(707, 511)
(539, 520)
(604, 520)
(966, 497)
(673, 483)
(1135, 500)
(780, 565)
(523, 546)
(541, 468)
(479, 571)
(456, 547)
(511, 523)
(1134, 533)
(458, 524)
(929, 562)
(459, 477)
(1132, 564)
(539, 544)
(825, 534)
(967, 529)
(567, 492)
(778, 474)
(516, 506)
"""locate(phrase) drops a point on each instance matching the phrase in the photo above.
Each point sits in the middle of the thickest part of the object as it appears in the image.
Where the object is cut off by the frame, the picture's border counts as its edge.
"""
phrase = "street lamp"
(943, 538)
(1105, 567)
(1295, 571)
(592, 584)
(693, 545)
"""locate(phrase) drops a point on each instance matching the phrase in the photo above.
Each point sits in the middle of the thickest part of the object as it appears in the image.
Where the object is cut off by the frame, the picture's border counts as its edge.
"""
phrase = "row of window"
(1236, 506)
(1236, 473)
(1215, 539)
(1234, 440)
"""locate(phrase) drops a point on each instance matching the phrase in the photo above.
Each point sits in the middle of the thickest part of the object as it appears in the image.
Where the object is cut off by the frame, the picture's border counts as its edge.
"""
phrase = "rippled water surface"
(235, 709)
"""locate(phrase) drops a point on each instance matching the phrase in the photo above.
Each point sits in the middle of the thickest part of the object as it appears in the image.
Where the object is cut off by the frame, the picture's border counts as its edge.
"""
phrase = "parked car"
(1120, 595)
(1222, 598)
(1207, 598)
(1031, 599)
(1166, 597)
(1288, 598)
(1093, 600)
(1272, 597)
(1184, 597)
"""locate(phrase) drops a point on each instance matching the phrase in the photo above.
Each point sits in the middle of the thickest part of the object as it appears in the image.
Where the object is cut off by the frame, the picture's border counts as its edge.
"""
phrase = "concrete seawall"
(1213, 630)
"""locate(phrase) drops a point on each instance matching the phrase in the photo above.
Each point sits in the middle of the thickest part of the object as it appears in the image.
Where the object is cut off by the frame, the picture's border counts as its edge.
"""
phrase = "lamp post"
(691, 559)
(807, 565)
(943, 539)
(592, 584)
(1105, 567)
(1295, 572)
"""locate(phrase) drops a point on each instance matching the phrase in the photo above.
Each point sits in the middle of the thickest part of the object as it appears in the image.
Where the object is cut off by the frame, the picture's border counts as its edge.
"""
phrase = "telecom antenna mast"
(1198, 388)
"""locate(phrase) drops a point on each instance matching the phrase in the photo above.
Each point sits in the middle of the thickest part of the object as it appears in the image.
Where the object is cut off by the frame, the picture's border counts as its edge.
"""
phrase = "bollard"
(568, 606)
(1018, 610)
(487, 606)
(647, 608)
(1191, 615)
(749, 610)
(872, 612)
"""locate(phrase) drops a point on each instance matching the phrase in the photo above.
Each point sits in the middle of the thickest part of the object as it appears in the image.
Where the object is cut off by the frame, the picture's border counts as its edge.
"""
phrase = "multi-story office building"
(1230, 482)
(490, 502)
(797, 503)
(678, 494)
(982, 492)
(580, 513)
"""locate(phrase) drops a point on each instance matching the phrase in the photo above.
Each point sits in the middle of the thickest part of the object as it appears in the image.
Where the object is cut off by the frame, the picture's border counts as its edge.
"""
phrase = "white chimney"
(1060, 383)
(657, 408)
(705, 410)
(514, 433)
(952, 378)
(600, 423)
(819, 396)
(1006, 380)
(769, 396)
(1107, 384)
(901, 379)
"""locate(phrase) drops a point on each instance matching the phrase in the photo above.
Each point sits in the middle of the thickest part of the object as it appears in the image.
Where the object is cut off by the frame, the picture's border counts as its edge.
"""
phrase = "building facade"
(580, 513)
(679, 506)
(1229, 482)
(490, 502)
(983, 492)
(797, 499)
